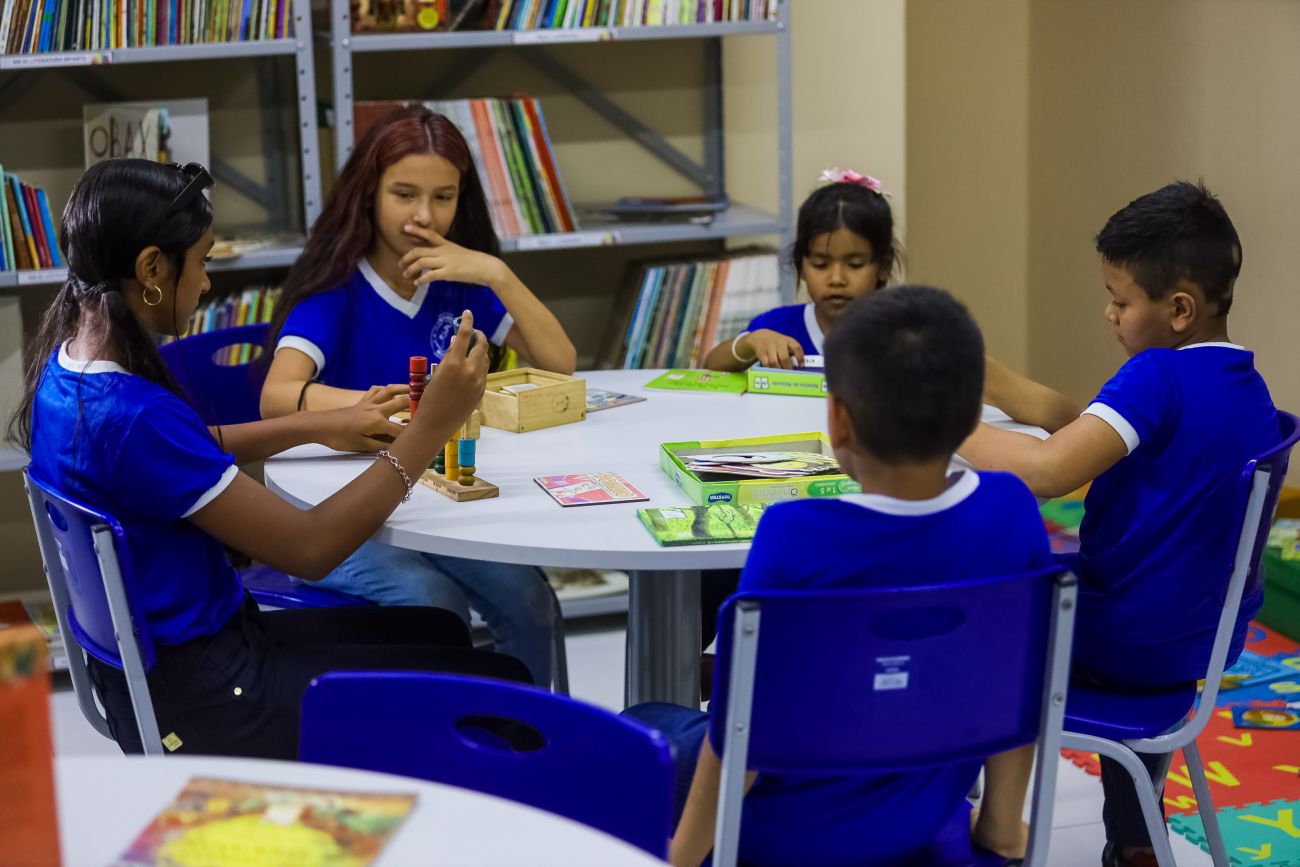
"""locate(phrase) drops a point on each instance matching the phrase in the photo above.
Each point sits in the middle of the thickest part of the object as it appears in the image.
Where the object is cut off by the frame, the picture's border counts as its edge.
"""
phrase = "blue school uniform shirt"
(795, 320)
(983, 525)
(1160, 527)
(363, 333)
(128, 447)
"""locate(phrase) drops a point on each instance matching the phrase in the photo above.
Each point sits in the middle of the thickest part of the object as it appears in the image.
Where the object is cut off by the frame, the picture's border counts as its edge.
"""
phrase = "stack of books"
(26, 227)
(37, 26)
(547, 14)
(512, 152)
(677, 311)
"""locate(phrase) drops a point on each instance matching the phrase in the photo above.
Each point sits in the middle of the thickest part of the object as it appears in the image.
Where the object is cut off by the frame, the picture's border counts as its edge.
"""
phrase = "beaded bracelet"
(410, 486)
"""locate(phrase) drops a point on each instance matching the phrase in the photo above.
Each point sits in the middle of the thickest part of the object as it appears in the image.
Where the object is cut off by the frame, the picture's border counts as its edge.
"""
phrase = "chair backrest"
(224, 393)
(92, 585)
(589, 765)
(1261, 485)
(898, 678)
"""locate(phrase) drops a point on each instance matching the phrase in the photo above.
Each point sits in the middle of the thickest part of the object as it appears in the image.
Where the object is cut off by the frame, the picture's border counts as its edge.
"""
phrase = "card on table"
(590, 489)
(599, 398)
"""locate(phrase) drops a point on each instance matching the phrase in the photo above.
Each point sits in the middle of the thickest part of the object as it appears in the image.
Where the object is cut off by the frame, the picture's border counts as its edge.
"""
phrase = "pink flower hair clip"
(838, 175)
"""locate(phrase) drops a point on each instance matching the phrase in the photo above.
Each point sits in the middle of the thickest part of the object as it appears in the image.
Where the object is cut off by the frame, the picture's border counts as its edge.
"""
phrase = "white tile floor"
(596, 675)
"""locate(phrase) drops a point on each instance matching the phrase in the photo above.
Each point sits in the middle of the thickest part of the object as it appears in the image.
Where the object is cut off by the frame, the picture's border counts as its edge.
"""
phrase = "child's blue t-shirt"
(983, 525)
(1160, 527)
(128, 447)
(363, 333)
(795, 320)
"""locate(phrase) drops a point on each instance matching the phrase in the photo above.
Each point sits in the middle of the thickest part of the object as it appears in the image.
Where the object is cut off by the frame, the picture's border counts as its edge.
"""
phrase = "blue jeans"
(515, 602)
(684, 728)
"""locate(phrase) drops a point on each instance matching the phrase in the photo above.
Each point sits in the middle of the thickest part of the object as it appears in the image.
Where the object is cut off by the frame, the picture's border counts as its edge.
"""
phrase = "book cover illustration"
(229, 823)
(701, 380)
(590, 489)
(763, 465)
(701, 525)
(599, 398)
(1278, 717)
(1251, 669)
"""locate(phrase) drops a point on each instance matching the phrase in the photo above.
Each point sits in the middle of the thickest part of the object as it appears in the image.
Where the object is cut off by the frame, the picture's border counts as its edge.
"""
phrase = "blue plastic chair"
(92, 584)
(223, 394)
(1120, 726)
(231, 394)
(594, 767)
(997, 649)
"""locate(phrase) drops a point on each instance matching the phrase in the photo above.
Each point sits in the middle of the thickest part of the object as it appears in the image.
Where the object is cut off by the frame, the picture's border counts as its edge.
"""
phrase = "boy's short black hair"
(908, 365)
(1179, 232)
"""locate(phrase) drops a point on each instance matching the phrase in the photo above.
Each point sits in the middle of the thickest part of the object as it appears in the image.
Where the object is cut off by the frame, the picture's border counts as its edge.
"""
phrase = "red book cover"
(33, 208)
(542, 146)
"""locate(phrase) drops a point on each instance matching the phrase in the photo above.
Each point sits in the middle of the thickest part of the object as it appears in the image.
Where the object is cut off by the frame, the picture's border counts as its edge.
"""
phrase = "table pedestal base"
(663, 638)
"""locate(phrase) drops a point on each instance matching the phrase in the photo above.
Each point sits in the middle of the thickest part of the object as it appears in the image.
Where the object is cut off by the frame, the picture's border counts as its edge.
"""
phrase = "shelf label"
(571, 34)
(566, 240)
(64, 58)
(44, 275)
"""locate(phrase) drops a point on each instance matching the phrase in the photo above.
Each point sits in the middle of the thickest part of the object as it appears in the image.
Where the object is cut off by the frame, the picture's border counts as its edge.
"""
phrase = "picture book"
(220, 822)
(1285, 536)
(590, 489)
(1251, 669)
(1278, 717)
(701, 525)
(700, 380)
(599, 398)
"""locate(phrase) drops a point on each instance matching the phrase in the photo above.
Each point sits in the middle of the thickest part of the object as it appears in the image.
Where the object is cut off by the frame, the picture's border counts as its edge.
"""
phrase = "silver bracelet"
(735, 354)
(410, 485)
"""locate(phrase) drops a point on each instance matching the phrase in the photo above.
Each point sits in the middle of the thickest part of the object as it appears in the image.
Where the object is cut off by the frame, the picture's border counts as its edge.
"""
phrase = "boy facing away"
(1164, 444)
(905, 373)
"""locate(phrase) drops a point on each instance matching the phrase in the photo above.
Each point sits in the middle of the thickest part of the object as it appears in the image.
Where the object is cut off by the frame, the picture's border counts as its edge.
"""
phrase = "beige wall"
(967, 160)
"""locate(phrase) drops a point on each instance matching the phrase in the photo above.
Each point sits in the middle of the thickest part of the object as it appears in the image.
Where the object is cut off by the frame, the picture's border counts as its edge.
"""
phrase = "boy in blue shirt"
(905, 372)
(1164, 444)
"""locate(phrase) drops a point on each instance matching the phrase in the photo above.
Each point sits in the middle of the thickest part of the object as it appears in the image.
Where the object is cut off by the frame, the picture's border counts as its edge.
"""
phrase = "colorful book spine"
(10, 262)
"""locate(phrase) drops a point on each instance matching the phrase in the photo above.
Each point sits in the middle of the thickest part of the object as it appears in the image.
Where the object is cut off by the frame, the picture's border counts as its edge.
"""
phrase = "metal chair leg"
(1147, 797)
(1205, 805)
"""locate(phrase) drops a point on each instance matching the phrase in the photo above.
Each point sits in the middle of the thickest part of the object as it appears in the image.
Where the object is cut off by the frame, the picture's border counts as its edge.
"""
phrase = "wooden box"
(557, 399)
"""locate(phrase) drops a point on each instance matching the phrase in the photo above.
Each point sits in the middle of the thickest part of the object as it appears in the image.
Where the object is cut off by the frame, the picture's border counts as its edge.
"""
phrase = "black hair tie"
(302, 395)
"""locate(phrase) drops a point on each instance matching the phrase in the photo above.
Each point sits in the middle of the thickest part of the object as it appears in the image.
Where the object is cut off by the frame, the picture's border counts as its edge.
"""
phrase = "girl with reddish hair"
(403, 245)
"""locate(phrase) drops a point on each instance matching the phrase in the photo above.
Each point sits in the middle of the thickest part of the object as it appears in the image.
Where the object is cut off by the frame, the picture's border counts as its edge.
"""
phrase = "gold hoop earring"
(144, 296)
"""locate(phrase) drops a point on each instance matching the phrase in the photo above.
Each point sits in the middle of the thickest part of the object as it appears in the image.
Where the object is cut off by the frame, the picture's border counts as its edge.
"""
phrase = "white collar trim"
(76, 365)
(958, 491)
(814, 328)
(1219, 344)
(407, 308)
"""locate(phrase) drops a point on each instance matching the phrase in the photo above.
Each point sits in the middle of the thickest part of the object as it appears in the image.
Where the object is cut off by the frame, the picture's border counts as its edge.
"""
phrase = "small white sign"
(566, 240)
(894, 680)
(63, 58)
(554, 36)
(42, 276)
(893, 673)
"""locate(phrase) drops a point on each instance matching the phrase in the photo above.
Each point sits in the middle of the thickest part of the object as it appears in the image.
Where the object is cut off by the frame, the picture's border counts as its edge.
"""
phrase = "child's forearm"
(282, 398)
(694, 837)
(537, 334)
(259, 440)
(721, 357)
(1064, 462)
(1027, 401)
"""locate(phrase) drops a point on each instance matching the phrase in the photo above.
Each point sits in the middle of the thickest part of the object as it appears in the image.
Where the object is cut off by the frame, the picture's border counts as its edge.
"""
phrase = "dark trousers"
(1122, 812)
(238, 692)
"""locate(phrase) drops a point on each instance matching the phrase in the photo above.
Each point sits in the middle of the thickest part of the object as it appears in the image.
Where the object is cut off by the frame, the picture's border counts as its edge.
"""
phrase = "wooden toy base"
(480, 490)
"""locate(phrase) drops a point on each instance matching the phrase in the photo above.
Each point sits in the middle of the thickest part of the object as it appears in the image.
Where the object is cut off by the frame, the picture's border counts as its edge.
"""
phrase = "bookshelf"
(737, 221)
(274, 196)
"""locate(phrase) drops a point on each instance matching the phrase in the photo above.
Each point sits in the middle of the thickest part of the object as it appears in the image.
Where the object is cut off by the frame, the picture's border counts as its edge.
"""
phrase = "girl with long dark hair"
(403, 244)
(106, 425)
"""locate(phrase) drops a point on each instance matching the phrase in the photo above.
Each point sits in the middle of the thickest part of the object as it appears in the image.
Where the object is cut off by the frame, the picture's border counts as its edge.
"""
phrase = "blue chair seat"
(273, 588)
(1125, 717)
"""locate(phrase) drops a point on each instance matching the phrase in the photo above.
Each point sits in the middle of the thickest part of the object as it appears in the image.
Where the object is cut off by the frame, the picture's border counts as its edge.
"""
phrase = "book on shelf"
(26, 227)
(41, 26)
(174, 130)
(415, 16)
(512, 152)
(672, 312)
(252, 305)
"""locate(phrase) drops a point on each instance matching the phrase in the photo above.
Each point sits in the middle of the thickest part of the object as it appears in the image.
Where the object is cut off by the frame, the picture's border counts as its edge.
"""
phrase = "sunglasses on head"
(199, 180)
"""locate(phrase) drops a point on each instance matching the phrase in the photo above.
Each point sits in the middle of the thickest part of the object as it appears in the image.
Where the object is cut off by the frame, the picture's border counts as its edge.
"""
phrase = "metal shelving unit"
(709, 174)
(273, 195)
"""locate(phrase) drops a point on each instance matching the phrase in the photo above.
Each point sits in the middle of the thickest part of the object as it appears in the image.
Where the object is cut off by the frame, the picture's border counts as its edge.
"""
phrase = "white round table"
(524, 525)
(105, 802)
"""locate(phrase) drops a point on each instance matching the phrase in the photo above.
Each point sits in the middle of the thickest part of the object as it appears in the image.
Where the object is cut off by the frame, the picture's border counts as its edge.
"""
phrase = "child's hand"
(459, 380)
(443, 260)
(364, 426)
(772, 348)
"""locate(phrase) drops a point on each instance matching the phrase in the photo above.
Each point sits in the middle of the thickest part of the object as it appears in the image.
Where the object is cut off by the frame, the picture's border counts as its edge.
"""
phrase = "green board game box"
(757, 492)
(775, 380)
